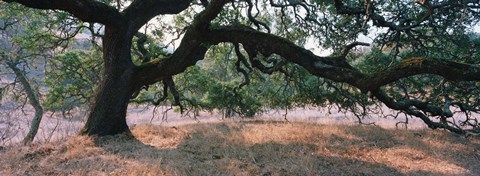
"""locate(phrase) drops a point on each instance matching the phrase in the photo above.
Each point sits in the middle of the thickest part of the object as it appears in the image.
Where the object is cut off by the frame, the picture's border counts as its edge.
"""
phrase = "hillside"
(251, 148)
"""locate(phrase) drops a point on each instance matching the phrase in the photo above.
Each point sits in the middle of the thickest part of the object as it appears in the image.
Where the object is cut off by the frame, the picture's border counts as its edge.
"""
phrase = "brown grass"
(251, 148)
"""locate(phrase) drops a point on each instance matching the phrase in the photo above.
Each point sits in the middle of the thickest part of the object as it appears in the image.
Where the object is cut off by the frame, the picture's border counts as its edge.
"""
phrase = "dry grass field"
(251, 148)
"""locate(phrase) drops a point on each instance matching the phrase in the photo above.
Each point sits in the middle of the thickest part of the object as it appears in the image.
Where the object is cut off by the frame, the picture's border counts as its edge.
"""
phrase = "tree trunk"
(107, 115)
(33, 100)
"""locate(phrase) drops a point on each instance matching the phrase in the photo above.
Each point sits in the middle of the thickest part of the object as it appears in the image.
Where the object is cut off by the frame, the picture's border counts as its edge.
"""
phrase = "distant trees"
(424, 59)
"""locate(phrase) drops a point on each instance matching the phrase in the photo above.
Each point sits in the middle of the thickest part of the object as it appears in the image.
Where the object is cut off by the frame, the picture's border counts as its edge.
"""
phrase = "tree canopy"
(422, 56)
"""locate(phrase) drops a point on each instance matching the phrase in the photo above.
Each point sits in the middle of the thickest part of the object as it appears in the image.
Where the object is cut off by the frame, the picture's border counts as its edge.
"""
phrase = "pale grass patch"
(282, 132)
(407, 160)
(161, 137)
(80, 147)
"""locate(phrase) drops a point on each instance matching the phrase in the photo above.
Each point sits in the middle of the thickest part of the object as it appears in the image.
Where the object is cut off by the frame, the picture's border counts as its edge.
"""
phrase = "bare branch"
(257, 23)
(380, 21)
(241, 59)
(406, 106)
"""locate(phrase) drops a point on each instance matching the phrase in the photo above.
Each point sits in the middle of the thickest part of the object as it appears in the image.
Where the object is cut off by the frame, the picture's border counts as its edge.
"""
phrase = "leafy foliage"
(71, 79)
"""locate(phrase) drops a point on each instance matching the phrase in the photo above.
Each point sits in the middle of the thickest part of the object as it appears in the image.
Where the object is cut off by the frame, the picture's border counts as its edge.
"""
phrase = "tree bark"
(107, 115)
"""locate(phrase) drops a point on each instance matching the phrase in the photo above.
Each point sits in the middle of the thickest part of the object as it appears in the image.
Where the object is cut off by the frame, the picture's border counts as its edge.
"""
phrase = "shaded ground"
(251, 148)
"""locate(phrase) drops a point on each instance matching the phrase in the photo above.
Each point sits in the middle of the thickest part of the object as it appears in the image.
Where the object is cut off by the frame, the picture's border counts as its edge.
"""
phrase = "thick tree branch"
(267, 44)
(450, 70)
(188, 53)
(332, 68)
(141, 11)
(338, 70)
(86, 10)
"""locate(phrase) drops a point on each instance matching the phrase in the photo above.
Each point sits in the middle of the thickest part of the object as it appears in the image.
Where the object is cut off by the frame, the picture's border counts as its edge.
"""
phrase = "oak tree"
(431, 38)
